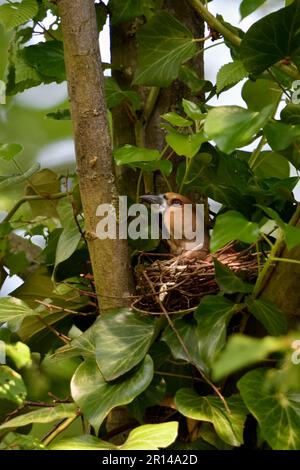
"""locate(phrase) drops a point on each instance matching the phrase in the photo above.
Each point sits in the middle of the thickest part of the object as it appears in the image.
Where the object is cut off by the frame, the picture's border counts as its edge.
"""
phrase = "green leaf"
(249, 6)
(228, 281)
(228, 426)
(262, 46)
(9, 151)
(212, 316)
(242, 351)
(261, 93)
(60, 115)
(233, 226)
(192, 110)
(186, 145)
(19, 353)
(122, 341)
(281, 135)
(21, 442)
(191, 79)
(176, 120)
(267, 313)
(126, 10)
(97, 398)
(115, 95)
(14, 180)
(165, 166)
(14, 14)
(47, 58)
(163, 45)
(230, 74)
(132, 154)
(291, 114)
(12, 387)
(189, 334)
(232, 127)
(13, 311)
(272, 165)
(16, 262)
(70, 236)
(278, 414)
(43, 415)
(2, 91)
(146, 437)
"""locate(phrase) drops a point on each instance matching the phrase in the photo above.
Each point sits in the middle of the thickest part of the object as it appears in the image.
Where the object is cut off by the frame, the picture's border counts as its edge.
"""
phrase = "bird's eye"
(177, 202)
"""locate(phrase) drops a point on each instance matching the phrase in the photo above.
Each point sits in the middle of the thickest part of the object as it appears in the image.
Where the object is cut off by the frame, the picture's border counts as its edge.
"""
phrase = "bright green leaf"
(13, 311)
(176, 120)
(233, 226)
(9, 151)
(187, 145)
(261, 93)
(19, 353)
(281, 135)
(163, 45)
(192, 110)
(164, 166)
(230, 74)
(228, 426)
(271, 165)
(43, 415)
(232, 127)
(14, 14)
(132, 154)
(242, 351)
(97, 398)
(249, 6)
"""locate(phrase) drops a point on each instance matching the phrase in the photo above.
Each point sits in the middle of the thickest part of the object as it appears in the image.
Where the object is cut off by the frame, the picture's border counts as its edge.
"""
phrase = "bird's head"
(166, 201)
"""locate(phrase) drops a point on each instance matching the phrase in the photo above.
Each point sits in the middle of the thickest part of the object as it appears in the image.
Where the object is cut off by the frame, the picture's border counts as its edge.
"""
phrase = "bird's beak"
(153, 199)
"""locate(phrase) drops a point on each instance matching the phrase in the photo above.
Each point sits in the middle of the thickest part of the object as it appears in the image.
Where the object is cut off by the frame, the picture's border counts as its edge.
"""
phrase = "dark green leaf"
(163, 45)
(60, 115)
(126, 10)
(213, 316)
(273, 319)
(271, 39)
(278, 414)
(271, 165)
(232, 127)
(228, 281)
(228, 426)
(97, 398)
(291, 114)
(115, 95)
(47, 58)
(280, 135)
(16, 262)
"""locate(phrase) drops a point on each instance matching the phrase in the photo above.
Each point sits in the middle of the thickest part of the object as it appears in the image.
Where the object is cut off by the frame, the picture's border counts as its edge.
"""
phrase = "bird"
(193, 240)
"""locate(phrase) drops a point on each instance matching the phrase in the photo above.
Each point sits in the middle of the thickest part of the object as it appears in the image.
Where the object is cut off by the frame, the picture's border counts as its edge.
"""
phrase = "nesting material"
(177, 285)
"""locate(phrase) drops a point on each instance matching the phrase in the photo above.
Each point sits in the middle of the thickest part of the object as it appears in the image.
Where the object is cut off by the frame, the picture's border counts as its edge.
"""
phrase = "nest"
(177, 285)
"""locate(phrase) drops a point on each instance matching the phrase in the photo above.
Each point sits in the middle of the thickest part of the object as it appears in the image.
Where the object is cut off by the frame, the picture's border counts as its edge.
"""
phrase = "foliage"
(64, 360)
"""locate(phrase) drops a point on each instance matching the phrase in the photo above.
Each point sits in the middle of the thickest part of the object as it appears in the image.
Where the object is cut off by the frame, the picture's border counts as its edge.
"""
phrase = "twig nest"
(179, 283)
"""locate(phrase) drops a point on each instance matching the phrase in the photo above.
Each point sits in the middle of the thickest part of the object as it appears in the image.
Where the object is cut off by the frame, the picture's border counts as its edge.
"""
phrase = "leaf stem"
(58, 429)
(24, 199)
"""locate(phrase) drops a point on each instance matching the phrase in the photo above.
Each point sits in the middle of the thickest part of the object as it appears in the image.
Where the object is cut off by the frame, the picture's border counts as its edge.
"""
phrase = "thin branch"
(58, 429)
(59, 335)
(24, 199)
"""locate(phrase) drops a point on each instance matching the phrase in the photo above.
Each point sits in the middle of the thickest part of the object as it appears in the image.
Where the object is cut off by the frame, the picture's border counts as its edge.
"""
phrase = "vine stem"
(256, 152)
(184, 347)
(215, 24)
(58, 429)
(24, 199)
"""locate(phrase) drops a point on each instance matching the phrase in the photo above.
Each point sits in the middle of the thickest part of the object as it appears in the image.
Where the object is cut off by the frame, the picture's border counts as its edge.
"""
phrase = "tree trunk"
(109, 258)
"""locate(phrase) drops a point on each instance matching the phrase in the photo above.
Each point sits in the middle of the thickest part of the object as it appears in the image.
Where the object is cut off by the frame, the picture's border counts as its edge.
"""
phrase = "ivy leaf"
(163, 45)
(43, 415)
(267, 313)
(228, 281)
(230, 74)
(132, 154)
(14, 14)
(291, 114)
(262, 46)
(176, 120)
(281, 135)
(232, 127)
(126, 10)
(272, 165)
(278, 414)
(47, 58)
(122, 341)
(146, 437)
(192, 110)
(233, 226)
(249, 6)
(242, 351)
(12, 387)
(261, 93)
(9, 151)
(212, 316)
(228, 426)
(97, 398)
(165, 166)
(186, 145)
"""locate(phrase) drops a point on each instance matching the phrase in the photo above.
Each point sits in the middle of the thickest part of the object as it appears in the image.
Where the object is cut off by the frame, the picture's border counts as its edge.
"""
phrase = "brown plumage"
(174, 207)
